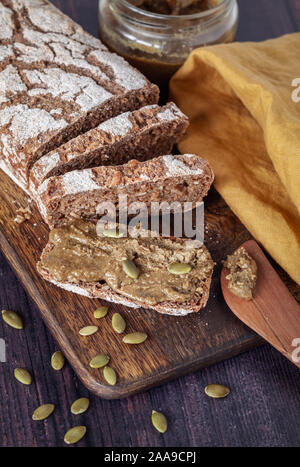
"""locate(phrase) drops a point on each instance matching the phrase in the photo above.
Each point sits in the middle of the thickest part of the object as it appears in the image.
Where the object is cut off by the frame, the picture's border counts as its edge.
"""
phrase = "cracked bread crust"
(139, 134)
(98, 290)
(56, 81)
(78, 194)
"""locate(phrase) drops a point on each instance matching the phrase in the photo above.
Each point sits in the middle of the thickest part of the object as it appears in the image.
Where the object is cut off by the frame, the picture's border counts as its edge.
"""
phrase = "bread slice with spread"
(169, 275)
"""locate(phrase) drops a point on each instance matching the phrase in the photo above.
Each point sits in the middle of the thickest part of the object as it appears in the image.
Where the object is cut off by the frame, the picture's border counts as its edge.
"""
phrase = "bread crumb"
(23, 214)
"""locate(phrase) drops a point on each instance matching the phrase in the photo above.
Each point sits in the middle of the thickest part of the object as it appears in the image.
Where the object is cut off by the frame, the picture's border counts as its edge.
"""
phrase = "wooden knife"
(272, 313)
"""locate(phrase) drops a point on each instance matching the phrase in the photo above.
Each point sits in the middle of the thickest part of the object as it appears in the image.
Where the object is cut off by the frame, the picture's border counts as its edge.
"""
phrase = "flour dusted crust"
(103, 291)
(140, 134)
(56, 81)
(77, 194)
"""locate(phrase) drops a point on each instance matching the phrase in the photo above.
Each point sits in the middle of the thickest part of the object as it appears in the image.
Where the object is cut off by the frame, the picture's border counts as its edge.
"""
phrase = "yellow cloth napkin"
(244, 107)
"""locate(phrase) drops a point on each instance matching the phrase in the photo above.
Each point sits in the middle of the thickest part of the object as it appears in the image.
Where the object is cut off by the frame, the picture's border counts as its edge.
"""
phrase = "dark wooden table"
(263, 408)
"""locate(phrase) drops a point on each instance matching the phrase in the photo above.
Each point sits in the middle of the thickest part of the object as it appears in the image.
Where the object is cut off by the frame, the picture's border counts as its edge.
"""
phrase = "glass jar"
(159, 44)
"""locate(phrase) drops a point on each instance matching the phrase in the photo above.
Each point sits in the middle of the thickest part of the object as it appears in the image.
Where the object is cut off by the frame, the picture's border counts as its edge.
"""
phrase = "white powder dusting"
(6, 169)
(45, 164)
(85, 38)
(47, 18)
(69, 52)
(64, 57)
(56, 112)
(78, 181)
(6, 24)
(91, 94)
(170, 113)
(7, 114)
(176, 311)
(40, 203)
(52, 39)
(67, 86)
(10, 80)
(176, 167)
(125, 75)
(144, 177)
(105, 292)
(5, 52)
(117, 126)
(33, 54)
(71, 288)
(69, 155)
(63, 43)
(29, 123)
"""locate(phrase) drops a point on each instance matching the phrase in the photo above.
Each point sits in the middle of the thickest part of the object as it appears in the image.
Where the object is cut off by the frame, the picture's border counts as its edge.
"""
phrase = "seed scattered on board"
(88, 330)
(101, 312)
(43, 412)
(75, 434)
(58, 360)
(118, 323)
(110, 375)
(23, 376)
(135, 338)
(12, 319)
(99, 361)
(80, 406)
(159, 421)
(217, 391)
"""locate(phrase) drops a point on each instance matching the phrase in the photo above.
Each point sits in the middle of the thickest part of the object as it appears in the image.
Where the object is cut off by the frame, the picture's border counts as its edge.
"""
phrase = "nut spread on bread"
(243, 274)
(78, 254)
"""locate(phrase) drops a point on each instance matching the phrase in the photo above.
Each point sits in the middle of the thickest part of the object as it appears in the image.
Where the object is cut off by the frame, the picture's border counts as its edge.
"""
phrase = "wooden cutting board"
(176, 345)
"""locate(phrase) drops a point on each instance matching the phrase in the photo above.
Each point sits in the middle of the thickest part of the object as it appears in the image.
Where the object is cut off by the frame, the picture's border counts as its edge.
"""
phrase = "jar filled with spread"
(157, 36)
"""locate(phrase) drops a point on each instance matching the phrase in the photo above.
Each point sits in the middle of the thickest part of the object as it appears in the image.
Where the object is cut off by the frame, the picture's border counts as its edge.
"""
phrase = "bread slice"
(140, 134)
(101, 290)
(56, 82)
(78, 194)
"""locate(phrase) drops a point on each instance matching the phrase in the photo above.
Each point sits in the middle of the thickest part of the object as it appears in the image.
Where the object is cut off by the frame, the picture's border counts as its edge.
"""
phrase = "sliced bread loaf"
(56, 81)
(78, 194)
(140, 134)
(79, 260)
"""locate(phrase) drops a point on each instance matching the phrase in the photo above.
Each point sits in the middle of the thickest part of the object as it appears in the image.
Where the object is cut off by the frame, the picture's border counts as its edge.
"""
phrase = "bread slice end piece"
(97, 290)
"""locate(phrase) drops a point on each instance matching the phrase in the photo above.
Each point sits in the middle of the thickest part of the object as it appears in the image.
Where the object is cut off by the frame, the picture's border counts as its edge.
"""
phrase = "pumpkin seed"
(88, 330)
(23, 376)
(43, 412)
(159, 421)
(110, 375)
(179, 268)
(12, 319)
(101, 312)
(80, 406)
(135, 338)
(217, 391)
(75, 434)
(118, 323)
(99, 361)
(113, 233)
(130, 269)
(58, 360)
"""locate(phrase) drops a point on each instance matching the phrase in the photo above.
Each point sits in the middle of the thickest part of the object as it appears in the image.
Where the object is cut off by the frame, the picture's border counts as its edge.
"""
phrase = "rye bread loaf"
(140, 134)
(78, 194)
(100, 290)
(56, 81)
